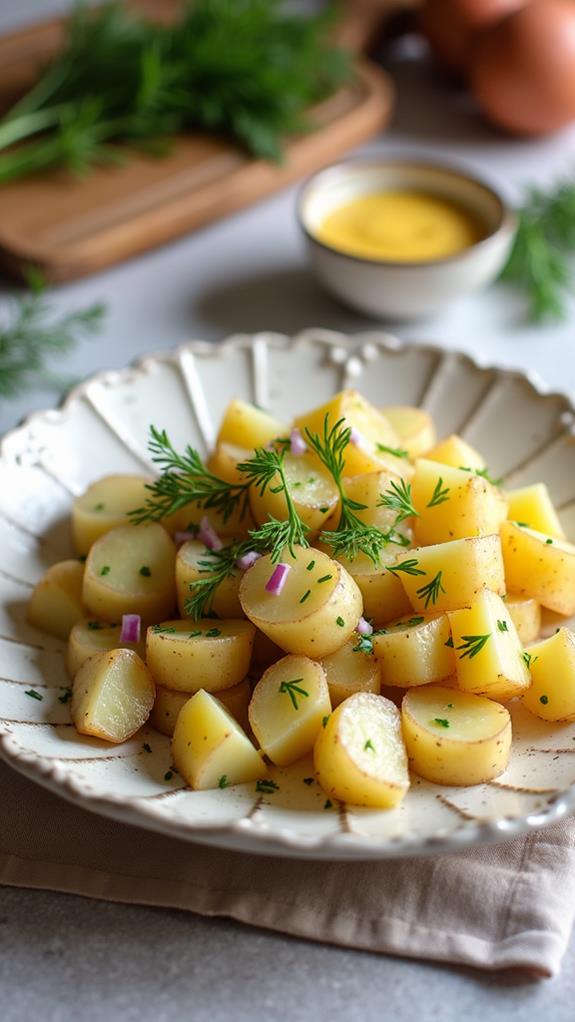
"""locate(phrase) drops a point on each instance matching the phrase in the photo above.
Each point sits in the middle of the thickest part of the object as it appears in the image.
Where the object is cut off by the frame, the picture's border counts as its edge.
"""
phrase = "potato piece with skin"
(244, 425)
(368, 490)
(414, 427)
(287, 707)
(359, 755)
(312, 490)
(455, 738)
(489, 655)
(447, 576)
(186, 656)
(348, 671)
(526, 616)
(210, 749)
(89, 637)
(372, 428)
(131, 570)
(56, 601)
(237, 525)
(106, 505)
(317, 609)
(224, 461)
(539, 566)
(456, 452)
(552, 665)
(226, 602)
(414, 651)
(533, 506)
(112, 695)
(168, 704)
(452, 504)
(384, 598)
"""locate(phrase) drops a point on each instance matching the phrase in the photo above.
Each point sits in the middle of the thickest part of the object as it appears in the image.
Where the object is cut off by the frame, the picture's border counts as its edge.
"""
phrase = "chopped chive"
(339, 621)
(548, 541)
(223, 781)
(324, 578)
(324, 720)
(502, 626)
(105, 570)
(266, 787)
(440, 721)
(310, 566)
(305, 595)
(33, 694)
(212, 633)
(66, 696)
(145, 571)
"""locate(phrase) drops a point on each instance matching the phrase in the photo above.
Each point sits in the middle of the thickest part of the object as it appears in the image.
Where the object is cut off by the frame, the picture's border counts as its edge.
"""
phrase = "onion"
(246, 560)
(357, 438)
(297, 442)
(277, 579)
(183, 537)
(131, 628)
(208, 535)
(363, 627)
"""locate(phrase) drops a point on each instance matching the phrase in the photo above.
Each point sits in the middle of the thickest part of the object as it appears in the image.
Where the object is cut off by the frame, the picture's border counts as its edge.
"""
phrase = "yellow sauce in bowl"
(401, 226)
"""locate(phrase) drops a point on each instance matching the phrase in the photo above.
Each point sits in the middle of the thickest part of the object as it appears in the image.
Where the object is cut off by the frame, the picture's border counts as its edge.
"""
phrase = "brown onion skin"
(450, 25)
(523, 68)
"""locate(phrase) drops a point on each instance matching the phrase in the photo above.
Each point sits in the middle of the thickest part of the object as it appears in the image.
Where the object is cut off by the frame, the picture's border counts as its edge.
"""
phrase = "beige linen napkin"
(507, 906)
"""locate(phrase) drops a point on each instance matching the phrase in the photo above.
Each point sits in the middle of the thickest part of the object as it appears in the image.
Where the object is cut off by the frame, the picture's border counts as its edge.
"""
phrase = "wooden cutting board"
(70, 227)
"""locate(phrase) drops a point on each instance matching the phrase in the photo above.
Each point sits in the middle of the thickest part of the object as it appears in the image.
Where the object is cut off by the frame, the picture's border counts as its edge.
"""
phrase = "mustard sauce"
(401, 226)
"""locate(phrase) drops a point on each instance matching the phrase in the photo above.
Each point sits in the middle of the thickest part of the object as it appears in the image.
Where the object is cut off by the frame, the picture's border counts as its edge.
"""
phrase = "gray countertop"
(63, 957)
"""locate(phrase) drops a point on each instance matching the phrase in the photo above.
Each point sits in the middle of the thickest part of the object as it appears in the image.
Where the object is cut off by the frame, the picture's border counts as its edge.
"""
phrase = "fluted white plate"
(526, 433)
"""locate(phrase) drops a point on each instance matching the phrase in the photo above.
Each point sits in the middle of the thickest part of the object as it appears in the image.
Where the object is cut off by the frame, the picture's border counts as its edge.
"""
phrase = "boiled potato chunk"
(375, 434)
(414, 651)
(105, 505)
(384, 598)
(168, 704)
(317, 609)
(552, 665)
(112, 696)
(244, 425)
(367, 490)
(131, 570)
(526, 616)
(456, 452)
(348, 671)
(489, 655)
(237, 524)
(188, 655)
(210, 749)
(359, 755)
(312, 491)
(189, 569)
(448, 575)
(287, 707)
(455, 738)
(224, 461)
(452, 504)
(89, 637)
(414, 428)
(539, 566)
(56, 602)
(532, 505)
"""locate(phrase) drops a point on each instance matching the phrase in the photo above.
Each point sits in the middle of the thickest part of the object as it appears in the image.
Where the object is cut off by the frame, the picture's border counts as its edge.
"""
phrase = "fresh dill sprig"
(471, 645)
(439, 495)
(216, 566)
(398, 498)
(267, 467)
(483, 473)
(410, 567)
(398, 452)
(429, 593)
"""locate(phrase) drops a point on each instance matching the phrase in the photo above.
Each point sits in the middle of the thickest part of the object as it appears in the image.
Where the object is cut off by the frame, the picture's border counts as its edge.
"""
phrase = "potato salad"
(346, 586)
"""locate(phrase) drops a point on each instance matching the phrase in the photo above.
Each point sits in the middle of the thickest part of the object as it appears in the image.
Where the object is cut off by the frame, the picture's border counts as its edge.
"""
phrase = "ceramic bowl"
(525, 433)
(401, 290)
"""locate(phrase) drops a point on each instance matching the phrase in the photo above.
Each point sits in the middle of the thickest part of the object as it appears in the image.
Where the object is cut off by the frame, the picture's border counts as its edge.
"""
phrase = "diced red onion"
(246, 560)
(182, 537)
(363, 627)
(208, 535)
(297, 443)
(131, 628)
(277, 579)
(357, 438)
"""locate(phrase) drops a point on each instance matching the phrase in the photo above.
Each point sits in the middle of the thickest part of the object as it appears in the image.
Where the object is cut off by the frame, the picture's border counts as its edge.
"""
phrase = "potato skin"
(112, 695)
(114, 578)
(348, 672)
(226, 602)
(184, 656)
(56, 601)
(90, 637)
(415, 652)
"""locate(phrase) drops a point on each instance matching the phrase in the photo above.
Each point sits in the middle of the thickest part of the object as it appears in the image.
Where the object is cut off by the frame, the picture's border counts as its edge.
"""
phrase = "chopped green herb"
(544, 700)
(323, 510)
(449, 642)
(163, 629)
(324, 578)
(429, 593)
(213, 633)
(293, 689)
(364, 644)
(66, 696)
(440, 721)
(146, 747)
(195, 635)
(305, 596)
(398, 498)
(397, 452)
(105, 570)
(410, 567)
(266, 787)
(522, 525)
(223, 781)
(145, 571)
(369, 745)
(328, 804)
(324, 721)
(340, 622)
(33, 694)
(308, 780)
(483, 473)
(472, 645)
(411, 622)
(502, 626)
(440, 494)
(168, 775)
(548, 541)
(95, 626)
(98, 507)
(310, 566)
(529, 658)
(450, 706)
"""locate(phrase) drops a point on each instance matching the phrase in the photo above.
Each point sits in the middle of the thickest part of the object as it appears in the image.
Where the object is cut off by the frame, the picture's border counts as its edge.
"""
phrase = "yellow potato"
(317, 609)
(456, 452)
(455, 738)
(244, 425)
(189, 655)
(210, 749)
(224, 460)
(168, 704)
(189, 569)
(453, 504)
(526, 616)
(104, 506)
(112, 696)
(348, 671)
(539, 566)
(56, 602)
(312, 490)
(448, 575)
(552, 665)
(532, 505)
(376, 436)
(384, 598)
(489, 655)
(359, 755)
(414, 428)
(89, 637)
(368, 489)
(131, 570)
(287, 707)
(414, 651)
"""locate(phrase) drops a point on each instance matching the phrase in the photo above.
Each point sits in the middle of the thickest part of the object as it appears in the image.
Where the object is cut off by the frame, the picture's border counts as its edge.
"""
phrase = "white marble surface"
(65, 958)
